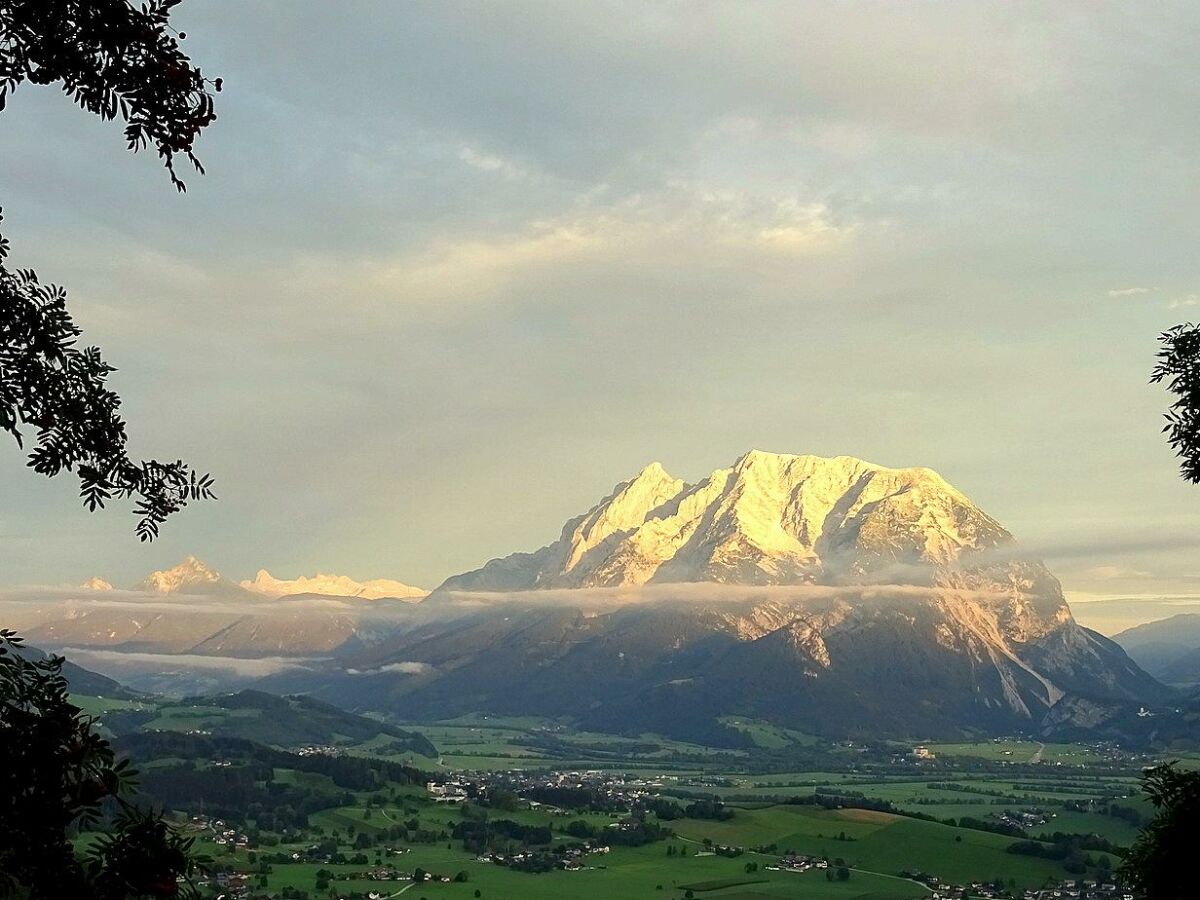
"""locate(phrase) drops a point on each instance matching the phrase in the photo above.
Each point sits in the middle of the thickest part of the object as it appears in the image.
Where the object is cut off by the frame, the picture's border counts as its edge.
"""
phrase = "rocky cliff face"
(768, 519)
(828, 594)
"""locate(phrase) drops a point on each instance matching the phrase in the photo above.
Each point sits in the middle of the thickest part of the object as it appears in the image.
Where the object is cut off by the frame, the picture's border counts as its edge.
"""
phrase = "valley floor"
(798, 816)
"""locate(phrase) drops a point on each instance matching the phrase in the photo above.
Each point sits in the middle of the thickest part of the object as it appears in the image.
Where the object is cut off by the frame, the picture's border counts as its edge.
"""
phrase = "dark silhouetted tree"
(1161, 863)
(59, 776)
(113, 59)
(1179, 368)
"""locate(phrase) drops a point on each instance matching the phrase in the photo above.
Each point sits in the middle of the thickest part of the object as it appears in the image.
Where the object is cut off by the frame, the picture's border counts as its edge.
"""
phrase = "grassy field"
(1022, 752)
(875, 846)
(764, 734)
(522, 743)
(879, 842)
(623, 874)
(98, 706)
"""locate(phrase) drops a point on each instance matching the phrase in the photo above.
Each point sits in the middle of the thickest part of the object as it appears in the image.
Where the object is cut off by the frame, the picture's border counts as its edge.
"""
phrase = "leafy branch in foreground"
(1179, 366)
(113, 59)
(58, 390)
(61, 777)
(1161, 863)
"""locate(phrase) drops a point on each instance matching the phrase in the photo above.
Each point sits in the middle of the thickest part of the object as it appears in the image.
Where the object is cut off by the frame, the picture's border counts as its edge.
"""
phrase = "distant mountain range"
(193, 577)
(332, 586)
(84, 681)
(1168, 649)
(831, 595)
(192, 608)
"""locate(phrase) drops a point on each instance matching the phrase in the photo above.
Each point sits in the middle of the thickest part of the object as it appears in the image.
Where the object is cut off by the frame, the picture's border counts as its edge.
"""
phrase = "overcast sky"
(456, 269)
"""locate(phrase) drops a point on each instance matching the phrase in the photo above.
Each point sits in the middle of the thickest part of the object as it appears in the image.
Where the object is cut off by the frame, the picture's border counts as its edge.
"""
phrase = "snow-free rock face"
(332, 586)
(769, 519)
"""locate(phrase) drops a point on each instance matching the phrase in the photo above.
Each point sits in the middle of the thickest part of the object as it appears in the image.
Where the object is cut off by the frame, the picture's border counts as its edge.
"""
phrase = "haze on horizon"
(455, 272)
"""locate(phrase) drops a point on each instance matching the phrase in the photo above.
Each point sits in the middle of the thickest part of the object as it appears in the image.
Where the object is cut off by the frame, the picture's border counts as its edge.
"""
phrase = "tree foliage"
(112, 59)
(1179, 367)
(1161, 863)
(60, 776)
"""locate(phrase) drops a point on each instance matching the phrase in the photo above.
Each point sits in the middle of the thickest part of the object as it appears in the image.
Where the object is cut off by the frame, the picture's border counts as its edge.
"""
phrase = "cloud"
(1106, 573)
(487, 162)
(83, 600)
(1129, 292)
(1185, 300)
(114, 662)
(403, 668)
(1130, 542)
(606, 598)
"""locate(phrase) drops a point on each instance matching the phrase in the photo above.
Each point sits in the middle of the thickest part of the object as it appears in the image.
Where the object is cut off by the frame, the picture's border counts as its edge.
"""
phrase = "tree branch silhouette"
(1179, 367)
(112, 59)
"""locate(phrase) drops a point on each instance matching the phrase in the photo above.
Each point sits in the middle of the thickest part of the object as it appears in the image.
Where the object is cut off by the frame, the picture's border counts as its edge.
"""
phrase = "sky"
(457, 269)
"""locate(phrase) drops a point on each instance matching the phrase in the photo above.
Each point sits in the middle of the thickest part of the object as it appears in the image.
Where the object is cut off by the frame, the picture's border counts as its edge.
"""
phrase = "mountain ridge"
(768, 519)
(329, 585)
(829, 594)
(192, 576)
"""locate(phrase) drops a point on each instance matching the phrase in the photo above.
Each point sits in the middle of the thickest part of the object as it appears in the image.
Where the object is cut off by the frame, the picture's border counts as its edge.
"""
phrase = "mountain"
(830, 595)
(190, 577)
(1168, 649)
(191, 609)
(84, 681)
(834, 596)
(769, 519)
(332, 586)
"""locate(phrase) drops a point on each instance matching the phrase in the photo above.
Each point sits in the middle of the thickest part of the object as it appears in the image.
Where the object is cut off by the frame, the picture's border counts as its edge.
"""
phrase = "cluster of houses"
(624, 790)
(1023, 818)
(720, 850)
(222, 835)
(449, 792)
(798, 863)
(1080, 889)
(387, 873)
(569, 859)
(229, 885)
(315, 853)
(318, 750)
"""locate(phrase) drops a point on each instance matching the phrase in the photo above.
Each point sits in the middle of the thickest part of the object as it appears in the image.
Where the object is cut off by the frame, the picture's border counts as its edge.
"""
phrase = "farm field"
(872, 810)
(874, 846)
(877, 841)
(625, 874)
(522, 743)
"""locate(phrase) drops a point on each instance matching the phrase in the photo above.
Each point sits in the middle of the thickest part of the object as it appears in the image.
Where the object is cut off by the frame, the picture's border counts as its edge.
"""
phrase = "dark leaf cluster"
(59, 391)
(1178, 367)
(1161, 863)
(113, 59)
(61, 777)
